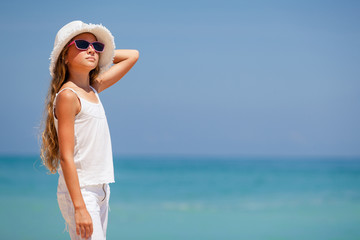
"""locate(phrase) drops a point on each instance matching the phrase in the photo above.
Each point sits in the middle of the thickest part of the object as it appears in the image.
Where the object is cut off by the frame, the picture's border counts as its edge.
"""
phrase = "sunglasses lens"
(98, 46)
(82, 44)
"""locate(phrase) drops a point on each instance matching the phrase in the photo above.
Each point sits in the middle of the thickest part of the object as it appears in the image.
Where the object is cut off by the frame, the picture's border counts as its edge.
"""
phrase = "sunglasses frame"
(90, 44)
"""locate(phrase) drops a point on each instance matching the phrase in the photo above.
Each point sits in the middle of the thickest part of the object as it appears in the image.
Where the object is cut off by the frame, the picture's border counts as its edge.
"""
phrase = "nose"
(91, 49)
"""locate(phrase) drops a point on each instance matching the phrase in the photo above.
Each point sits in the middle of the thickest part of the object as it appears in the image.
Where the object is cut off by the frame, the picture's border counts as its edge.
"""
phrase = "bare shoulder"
(66, 96)
(67, 102)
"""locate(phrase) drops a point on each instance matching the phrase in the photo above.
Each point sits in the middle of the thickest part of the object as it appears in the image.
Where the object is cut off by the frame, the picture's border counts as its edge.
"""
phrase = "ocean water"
(202, 198)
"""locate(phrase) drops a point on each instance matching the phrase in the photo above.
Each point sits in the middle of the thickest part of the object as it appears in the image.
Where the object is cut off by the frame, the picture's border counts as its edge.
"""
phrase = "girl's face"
(82, 59)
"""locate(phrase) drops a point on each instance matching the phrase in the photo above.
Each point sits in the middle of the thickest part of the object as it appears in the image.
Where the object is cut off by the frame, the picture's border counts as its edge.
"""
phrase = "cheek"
(71, 55)
(75, 57)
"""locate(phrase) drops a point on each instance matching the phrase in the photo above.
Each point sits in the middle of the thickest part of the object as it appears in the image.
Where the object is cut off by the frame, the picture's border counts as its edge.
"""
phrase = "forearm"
(72, 182)
(124, 54)
(124, 60)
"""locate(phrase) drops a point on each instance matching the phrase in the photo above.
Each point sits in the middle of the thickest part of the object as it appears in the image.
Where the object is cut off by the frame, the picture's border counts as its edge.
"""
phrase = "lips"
(90, 58)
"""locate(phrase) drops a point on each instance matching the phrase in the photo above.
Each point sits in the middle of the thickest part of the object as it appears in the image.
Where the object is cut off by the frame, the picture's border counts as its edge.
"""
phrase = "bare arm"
(124, 60)
(67, 106)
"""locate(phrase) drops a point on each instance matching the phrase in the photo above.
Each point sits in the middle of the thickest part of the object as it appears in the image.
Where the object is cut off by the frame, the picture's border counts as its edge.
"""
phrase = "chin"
(92, 66)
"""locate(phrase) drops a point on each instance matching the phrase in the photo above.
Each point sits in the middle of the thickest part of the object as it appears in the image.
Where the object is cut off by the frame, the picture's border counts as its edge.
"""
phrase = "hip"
(99, 192)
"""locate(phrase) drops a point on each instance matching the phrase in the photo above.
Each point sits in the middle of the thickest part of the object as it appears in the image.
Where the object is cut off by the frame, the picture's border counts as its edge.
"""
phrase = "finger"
(77, 229)
(91, 229)
(87, 232)
(83, 232)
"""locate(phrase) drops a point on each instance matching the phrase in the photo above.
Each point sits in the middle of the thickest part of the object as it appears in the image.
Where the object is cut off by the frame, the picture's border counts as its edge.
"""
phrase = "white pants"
(96, 199)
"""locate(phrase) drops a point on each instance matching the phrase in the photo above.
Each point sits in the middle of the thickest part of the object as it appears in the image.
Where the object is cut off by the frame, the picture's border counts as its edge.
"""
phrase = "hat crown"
(66, 29)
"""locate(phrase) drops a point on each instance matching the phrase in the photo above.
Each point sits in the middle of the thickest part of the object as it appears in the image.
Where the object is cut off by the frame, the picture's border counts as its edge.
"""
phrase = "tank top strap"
(69, 89)
(97, 94)
(94, 89)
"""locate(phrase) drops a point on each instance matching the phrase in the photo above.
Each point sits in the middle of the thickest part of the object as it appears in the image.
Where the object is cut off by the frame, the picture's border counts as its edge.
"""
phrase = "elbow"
(65, 159)
(135, 54)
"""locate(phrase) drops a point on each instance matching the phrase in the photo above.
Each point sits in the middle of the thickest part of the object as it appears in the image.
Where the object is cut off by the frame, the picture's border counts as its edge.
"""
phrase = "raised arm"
(124, 60)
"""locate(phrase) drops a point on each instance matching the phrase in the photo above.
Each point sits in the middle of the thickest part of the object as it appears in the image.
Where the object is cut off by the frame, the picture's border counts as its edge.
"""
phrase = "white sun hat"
(74, 28)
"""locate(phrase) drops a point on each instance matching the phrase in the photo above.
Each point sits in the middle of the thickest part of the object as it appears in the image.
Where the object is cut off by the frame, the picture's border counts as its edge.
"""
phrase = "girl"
(76, 141)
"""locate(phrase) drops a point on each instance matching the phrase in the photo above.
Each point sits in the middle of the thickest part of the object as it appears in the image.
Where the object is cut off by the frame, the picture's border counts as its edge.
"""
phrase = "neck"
(80, 78)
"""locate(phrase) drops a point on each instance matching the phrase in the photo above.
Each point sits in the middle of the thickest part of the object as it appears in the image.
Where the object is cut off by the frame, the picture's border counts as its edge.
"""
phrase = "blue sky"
(214, 77)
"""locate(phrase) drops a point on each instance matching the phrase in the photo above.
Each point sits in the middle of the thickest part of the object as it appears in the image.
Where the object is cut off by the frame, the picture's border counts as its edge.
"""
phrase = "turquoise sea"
(202, 198)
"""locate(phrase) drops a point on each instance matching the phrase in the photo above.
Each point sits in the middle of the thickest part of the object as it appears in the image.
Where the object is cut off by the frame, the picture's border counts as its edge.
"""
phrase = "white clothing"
(96, 198)
(92, 150)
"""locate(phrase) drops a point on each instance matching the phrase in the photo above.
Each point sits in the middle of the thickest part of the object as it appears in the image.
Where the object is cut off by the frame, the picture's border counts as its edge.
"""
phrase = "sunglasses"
(84, 45)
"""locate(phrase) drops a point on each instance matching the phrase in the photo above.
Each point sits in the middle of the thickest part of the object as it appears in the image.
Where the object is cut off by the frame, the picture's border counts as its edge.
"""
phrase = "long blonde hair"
(50, 145)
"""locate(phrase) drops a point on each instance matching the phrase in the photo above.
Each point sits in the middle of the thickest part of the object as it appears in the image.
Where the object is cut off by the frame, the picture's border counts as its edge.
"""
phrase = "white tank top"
(92, 150)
